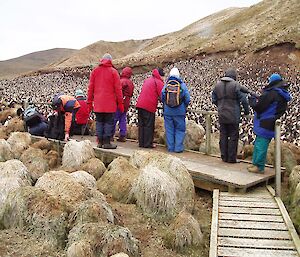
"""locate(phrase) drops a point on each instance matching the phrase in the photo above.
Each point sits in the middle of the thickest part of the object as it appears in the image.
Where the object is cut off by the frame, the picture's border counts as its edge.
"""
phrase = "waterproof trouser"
(229, 138)
(120, 117)
(104, 126)
(39, 129)
(261, 145)
(146, 123)
(175, 132)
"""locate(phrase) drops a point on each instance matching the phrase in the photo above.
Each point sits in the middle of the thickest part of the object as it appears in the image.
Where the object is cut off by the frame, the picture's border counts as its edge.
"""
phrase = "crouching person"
(269, 107)
(176, 98)
(35, 122)
(80, 126)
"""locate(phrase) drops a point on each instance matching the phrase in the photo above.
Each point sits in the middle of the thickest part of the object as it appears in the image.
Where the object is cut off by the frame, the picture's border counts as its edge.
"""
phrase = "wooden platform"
(251, 224)
(208, 172)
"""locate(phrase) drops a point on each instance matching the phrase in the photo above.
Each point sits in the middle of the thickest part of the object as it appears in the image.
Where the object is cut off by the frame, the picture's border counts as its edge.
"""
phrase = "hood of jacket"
(155, 74)
(175, 78)
(280, 86)
(106, 62)
(227, 79)
(126, 72)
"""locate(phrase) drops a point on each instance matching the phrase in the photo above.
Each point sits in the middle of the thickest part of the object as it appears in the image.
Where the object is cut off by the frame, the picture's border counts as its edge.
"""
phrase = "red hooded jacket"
(127, 87)
(151, 91)
(104, 91)
(82, 115)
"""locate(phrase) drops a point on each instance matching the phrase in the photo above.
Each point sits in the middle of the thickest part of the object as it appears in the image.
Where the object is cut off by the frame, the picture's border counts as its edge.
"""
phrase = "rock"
(5, 151)
(35, 161)
(105, 240)
(84, 178)
(19, 142)
(33, 209)
(194, 135)
(42, 144)
(95, 167)
(117, 180)
(76, 153)
(294, 178)
(183, 232)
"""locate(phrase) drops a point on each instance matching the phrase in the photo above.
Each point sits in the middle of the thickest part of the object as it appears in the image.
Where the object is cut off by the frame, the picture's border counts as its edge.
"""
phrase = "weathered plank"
(254, 233)
(246, 252)
(256, 243)
(250, 217)
(241, 210)
(252, 225)
(247, 199)
(214, 225)
(248, 204)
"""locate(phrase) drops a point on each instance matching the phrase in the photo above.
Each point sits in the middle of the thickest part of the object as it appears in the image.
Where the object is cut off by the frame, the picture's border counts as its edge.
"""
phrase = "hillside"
(241, 30)
(32, 61)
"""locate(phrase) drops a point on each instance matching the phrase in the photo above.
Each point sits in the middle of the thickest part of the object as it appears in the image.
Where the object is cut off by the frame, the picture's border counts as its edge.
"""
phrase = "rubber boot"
(107, 144)
(99, 142)
(121, 139)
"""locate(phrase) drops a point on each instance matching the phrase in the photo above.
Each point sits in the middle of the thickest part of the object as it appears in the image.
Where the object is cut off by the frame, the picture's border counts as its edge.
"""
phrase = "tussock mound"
(42, 144)
(156, 193)
(5, 151)
(159, 131)
(76, 153)
(14, 169)
(8, 112)
(19, 142)
(84, 178)
(104, 240)
(14, 125)
(80, 249)
(132, 132)
(53, 159)
(33, 209)
(3, 133)
(95, 167)
(92, 211)
(118, 179)
(296, 196)
(61, 184)
(247, 151)
(120, 255)
(194, 135)
(294, 178)
(35, 161)
(183, 232)
(172, 166)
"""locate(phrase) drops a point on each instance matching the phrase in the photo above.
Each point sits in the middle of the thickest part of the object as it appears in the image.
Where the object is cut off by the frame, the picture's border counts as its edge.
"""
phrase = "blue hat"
(78, 93)
(274, 77)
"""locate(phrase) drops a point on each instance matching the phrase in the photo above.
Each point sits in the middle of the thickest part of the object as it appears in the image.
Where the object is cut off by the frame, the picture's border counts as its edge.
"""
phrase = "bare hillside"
(241, 30)
(32, 61)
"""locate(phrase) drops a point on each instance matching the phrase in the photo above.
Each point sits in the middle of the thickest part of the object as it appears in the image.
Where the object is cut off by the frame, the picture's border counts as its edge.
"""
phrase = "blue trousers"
(104, 126)
(175, 132)
(121, 118)
(261, 145)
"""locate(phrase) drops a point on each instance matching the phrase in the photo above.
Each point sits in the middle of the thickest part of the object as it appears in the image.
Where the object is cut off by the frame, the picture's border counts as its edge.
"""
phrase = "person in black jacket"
(270, 106)
(228, 97)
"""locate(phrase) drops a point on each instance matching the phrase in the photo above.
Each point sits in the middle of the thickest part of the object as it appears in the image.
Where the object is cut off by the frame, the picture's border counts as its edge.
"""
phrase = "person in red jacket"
(147, 105)
(127, 90)
(104, 96)
(82, 115)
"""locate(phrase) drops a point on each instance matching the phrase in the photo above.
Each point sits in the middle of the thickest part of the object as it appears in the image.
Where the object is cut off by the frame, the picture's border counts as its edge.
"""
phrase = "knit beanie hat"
(174, 73)
(78, 93)
(274, 77)
(231, 73)
(107, 56)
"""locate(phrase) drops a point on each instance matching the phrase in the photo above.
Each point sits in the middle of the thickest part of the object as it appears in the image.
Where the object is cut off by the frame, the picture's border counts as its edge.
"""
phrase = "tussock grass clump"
(183, 232)
(76, 153)
(19, 142)
(84, 178)
(33, 209)
(42, 144)
(117, 180)
(104, 240)
(95, 167)
(294, 178)
(5, 151)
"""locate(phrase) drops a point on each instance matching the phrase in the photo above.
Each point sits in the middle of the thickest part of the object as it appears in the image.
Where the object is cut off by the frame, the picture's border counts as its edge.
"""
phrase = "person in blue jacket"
(175, 105)
(269, 107)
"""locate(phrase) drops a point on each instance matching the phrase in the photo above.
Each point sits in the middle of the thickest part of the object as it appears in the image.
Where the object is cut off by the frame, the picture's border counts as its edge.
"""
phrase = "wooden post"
(208, 134)
(277, 159)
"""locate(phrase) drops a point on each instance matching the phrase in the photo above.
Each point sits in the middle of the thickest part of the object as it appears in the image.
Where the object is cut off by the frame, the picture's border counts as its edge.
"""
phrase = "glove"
(121, 107)
(67, 137)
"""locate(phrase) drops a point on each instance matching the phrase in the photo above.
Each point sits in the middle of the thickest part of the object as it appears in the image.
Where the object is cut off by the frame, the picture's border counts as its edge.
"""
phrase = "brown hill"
(32, 61)
(241, 30)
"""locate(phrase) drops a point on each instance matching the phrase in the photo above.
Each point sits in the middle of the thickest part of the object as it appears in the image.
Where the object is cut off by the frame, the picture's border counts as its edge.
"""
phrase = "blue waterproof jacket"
(270, 106)
(184, 96)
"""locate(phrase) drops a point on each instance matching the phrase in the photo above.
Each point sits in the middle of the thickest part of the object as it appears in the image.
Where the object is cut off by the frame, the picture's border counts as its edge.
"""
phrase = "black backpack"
(173, 90)
(56, 128)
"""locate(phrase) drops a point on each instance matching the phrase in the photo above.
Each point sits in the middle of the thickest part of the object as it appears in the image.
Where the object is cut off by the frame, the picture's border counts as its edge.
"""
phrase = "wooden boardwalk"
(252, 224)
